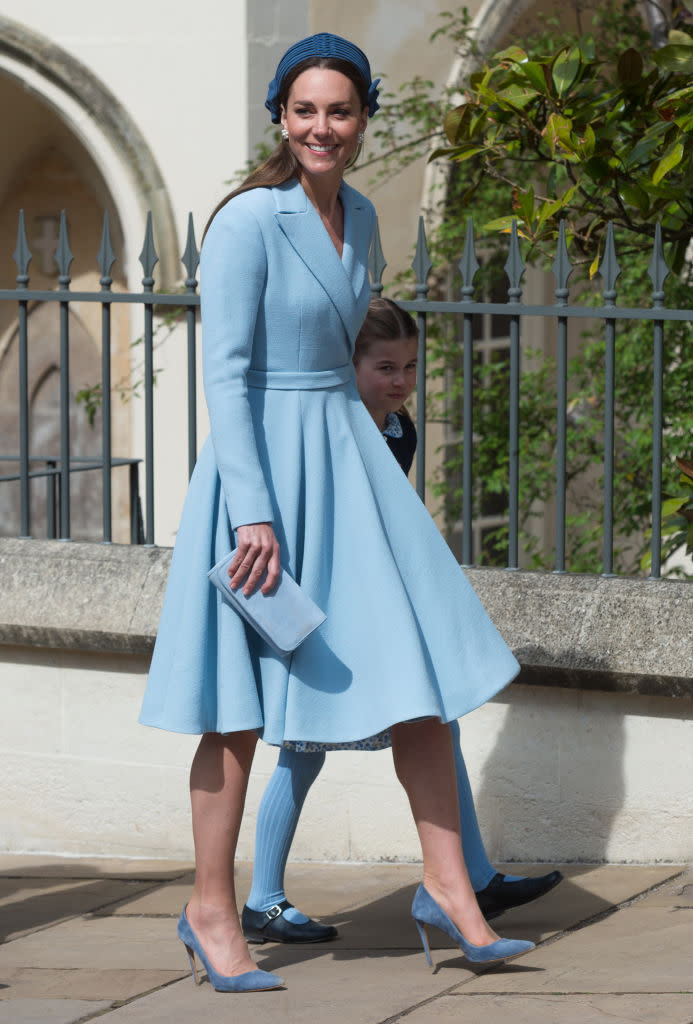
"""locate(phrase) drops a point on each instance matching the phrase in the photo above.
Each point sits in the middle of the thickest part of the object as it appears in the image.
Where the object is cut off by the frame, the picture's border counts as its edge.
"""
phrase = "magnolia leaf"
(462, 153)
(672, 505)
(558, 129)
(679, 94)
(589, 50)
(670, 160)
(500, 224)
(454, 121)
(629, 67)
(565, 69)
(534, 73)
(526, 204)
(585, 148)
(516, 96)
(674, 57)
(512, 53)
(679, 38)
(547, 211)
(632, 195)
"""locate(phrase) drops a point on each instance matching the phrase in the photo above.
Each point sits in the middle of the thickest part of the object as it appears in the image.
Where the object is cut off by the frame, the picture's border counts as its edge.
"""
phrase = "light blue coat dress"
(292, 443)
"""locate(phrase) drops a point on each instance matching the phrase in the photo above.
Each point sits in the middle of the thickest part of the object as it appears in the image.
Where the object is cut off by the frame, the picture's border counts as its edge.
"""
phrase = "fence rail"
(466, 308)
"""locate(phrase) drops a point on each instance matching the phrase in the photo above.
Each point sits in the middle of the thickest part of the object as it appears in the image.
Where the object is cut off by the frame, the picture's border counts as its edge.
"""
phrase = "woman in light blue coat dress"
(296, 471)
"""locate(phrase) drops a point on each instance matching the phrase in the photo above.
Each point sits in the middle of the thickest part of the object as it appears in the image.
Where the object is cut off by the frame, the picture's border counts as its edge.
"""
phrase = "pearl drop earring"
(285, 134)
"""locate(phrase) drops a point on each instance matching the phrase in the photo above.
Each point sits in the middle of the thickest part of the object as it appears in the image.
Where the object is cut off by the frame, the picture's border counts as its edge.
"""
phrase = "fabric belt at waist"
(300, 380)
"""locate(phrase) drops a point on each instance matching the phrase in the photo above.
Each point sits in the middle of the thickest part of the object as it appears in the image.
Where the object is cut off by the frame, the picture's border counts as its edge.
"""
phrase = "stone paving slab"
(552, 1009)
(48, 1011)
(638, 949)
(103, 943)
(75, 983)
(30, 903)
(344, 989)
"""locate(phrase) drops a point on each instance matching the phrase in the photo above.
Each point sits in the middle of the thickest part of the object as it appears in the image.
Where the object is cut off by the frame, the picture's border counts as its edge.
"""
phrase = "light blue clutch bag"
(283, 618)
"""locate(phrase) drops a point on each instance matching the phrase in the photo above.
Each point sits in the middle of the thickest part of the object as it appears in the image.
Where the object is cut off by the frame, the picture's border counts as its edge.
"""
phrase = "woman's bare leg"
(424, 763)
(218, 783)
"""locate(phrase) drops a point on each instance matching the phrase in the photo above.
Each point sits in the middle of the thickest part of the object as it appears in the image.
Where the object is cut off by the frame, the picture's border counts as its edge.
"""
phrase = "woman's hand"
(258, 549)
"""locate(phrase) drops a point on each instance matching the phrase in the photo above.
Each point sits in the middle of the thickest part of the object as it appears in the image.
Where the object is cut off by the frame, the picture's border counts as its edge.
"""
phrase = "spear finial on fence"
(468, 265)
(609, 268)
(191, 256)
(658, 269)
(562, 267)
(376, 261)
(148, 256)
(514, 266)
(421, 264)
(106, 257)
(63, 254)
(22, 254)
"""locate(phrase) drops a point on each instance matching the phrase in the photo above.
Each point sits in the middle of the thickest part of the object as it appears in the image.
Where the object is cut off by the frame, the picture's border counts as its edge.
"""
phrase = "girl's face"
(323, 117)
(386, 376)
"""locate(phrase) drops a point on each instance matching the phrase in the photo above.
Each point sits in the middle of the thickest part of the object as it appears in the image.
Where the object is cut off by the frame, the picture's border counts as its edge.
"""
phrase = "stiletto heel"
(424, 942)
(425, 911)
(250, 981)
(193, 966)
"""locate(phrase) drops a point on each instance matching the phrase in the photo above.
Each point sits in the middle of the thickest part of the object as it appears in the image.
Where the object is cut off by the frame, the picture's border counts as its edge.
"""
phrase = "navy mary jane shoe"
(500, 895)
(271, 926)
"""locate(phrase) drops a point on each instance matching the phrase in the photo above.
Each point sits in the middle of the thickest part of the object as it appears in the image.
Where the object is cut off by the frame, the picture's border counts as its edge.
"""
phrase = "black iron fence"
(466, 309)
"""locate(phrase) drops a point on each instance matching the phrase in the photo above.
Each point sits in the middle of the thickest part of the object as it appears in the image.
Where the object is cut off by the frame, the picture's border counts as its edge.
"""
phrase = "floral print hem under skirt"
(380, 741)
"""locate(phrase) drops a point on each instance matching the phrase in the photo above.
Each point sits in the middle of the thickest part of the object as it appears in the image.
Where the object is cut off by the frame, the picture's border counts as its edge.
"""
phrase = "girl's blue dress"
(291, 442)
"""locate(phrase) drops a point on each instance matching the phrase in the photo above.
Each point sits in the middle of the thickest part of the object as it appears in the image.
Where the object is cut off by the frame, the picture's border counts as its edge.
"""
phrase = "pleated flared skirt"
(405, 636)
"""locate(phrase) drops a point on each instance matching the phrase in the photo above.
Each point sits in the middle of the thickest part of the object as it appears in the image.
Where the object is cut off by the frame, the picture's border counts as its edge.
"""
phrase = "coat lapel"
(358, 229)
(301, 224)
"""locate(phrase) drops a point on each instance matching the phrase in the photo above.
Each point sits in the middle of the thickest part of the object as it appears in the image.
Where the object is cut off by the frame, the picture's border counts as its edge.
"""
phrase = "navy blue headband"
(324, 44)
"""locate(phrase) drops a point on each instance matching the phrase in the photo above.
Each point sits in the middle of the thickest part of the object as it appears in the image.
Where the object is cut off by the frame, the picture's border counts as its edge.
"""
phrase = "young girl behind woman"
(385, 359)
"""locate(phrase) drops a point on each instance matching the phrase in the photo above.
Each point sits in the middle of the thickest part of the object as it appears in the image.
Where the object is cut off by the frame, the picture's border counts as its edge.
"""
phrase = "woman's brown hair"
(281, 165)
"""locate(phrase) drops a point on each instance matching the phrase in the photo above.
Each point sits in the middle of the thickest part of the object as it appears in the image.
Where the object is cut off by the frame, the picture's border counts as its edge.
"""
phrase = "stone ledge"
(92, 597)
(593, 632)
(582, 632)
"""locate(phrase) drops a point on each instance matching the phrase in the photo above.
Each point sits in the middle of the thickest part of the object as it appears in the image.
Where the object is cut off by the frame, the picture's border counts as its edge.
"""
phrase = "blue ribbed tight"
(281, 806)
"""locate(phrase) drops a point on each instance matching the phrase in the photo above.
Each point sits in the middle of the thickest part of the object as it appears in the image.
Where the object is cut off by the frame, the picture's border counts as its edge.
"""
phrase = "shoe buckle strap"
(275, 911)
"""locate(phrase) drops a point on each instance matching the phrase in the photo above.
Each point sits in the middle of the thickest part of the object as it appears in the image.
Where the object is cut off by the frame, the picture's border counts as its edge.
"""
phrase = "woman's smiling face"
(323, 117)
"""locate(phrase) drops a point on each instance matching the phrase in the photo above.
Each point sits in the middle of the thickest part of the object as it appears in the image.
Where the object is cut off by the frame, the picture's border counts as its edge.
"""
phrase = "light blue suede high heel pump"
(425, 911)
(250, 981)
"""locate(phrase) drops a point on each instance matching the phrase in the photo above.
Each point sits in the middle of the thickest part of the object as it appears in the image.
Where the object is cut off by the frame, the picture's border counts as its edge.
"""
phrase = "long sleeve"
(232, 277)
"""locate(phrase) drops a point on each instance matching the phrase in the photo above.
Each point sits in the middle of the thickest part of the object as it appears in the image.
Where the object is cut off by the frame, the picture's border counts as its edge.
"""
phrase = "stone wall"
(588, 756)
